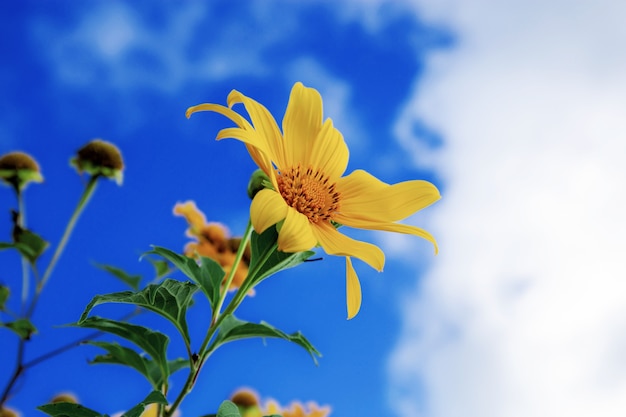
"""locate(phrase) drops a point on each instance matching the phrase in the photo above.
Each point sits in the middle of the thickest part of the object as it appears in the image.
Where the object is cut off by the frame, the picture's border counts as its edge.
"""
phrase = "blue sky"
(126, 72)
(515, 110)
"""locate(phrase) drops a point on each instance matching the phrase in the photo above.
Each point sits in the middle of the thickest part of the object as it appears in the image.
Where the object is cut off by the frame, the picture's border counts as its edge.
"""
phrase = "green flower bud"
(100, 158)
(18, 169)
(258, 181)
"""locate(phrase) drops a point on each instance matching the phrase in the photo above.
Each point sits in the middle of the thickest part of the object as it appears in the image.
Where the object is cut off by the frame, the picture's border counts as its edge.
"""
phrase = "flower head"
(100, 157)
(247, 401)
(18, 169)
(310, 197)
(213, 241)
(65, 397)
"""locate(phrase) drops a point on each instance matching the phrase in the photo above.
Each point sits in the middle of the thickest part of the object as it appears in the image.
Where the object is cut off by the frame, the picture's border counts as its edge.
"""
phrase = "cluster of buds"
(97, 158)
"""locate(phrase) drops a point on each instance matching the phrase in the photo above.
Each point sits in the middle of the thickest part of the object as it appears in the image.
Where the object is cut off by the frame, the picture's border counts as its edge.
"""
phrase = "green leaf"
(152, 342)
(121, 355)
(178, 364)
(130, 280)
(68, 410)
(174, 366)
(6, 245)
(266, 259)
(23, 327)
(169, 298)
(155, 397)
(4, 296)
(161, 267)
(228, 409)
(29, 244)
(209, 274)
(234, 329)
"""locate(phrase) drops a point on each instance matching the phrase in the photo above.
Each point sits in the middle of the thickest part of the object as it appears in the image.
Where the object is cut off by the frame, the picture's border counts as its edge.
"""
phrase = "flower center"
(309, 192)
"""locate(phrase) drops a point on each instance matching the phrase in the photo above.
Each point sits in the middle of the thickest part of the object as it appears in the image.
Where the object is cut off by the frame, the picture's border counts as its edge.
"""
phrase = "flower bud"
(258, 181)
(245, 398)
(100, 158)
(64, 397)
(18, 169)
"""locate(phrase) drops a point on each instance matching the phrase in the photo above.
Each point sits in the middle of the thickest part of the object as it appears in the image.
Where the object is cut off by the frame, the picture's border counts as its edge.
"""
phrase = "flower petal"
(260, 153)
(353, 290)
(301, 124)
(267, 209)
(364, 196)
(388, 227)
(195, 218)
(264, 123)
(335, 243)
(296, 235)
(225, 111)
(329, 153)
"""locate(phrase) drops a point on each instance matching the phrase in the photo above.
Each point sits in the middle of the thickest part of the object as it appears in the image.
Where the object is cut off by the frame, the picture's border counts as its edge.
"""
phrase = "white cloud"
(114, 46)
(524, 311)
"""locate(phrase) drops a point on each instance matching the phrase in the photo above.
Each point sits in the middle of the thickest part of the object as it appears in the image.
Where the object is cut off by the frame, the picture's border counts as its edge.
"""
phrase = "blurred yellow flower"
(249, 405)
(310, 197)
(297, 410)
(9, 412)
(213, 241)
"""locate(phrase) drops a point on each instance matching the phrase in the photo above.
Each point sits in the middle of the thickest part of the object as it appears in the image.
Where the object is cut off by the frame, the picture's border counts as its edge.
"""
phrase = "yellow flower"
(310, 197)
(297, 410)
(213, 241)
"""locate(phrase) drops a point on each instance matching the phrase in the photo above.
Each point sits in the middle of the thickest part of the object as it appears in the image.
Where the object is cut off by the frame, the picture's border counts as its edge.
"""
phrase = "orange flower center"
(310, 192)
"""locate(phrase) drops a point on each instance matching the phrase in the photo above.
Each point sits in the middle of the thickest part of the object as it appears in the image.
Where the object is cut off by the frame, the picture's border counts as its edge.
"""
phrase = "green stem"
(21, 223)
(233, 270)
(19, 368)
(82, 203)
(216, 320)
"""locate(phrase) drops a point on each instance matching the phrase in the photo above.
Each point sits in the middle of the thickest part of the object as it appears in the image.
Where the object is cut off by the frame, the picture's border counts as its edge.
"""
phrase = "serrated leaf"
(228, 409)
(23, 327)
(266, 259)
(169, 298)
(4, 296)
(152, 342)
(209, 274)
(68, 410)
(155, 397)
(29, 244)
(234, 329)
(130, 280)
(122, 355)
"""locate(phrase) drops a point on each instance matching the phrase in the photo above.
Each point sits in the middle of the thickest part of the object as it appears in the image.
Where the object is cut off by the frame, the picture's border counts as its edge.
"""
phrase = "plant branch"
(82, 203)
